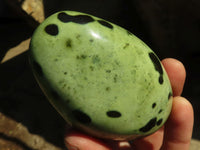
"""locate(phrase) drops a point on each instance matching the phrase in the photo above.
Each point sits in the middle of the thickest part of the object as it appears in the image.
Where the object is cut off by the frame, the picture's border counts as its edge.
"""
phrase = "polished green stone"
(100, 77)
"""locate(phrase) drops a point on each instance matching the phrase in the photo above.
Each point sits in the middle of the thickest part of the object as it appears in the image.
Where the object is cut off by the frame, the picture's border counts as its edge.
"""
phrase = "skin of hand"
(174, 135)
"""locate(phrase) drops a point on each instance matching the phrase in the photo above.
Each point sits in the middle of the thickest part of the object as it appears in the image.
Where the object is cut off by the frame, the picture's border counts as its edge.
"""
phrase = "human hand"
(174, 135)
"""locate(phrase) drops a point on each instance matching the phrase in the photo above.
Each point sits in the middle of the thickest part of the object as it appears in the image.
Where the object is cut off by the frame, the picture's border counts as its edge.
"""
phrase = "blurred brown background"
(171, 28)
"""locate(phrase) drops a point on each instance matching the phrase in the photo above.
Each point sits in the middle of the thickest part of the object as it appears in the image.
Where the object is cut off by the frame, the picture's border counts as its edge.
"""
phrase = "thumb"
(75, 140)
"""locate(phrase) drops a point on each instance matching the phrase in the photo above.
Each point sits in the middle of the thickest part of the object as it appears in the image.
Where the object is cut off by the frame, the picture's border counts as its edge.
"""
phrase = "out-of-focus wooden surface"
(33, 10)
(17, 50)
(14, 135)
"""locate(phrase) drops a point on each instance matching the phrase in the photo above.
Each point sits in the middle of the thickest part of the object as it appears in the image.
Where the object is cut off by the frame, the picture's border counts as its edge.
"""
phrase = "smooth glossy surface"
(100, 77)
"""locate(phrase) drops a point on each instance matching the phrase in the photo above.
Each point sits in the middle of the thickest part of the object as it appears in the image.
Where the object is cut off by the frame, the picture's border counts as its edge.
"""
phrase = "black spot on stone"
(51, 29)
(113, 114)
(69, 43)
(106, 24)
(149, 125)
(153, 105)
(81, 116)
(160, 111)
(157, 66)
(37, 68)
(169, 96)
(80, 19)
(160, 79)
(159, 122)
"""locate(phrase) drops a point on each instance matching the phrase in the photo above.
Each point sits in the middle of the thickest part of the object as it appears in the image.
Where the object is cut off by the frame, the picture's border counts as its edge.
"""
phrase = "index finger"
(176, 73)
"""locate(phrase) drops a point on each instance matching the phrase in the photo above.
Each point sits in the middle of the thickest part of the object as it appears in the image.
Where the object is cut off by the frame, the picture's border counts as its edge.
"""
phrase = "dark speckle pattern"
(107, 89)
(82, 56)
(126, 45)
(69, 43)
(115, 78)
(95, 59)
(149, 125)
(157, 66)
(106, 24)
(113, 114)
(108, 71)
(91, 68)
(51, 29)
(80, 19)
(81, 117)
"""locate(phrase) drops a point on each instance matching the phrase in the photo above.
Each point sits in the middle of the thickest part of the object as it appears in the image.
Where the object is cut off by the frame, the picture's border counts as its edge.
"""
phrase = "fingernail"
(70, 146)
